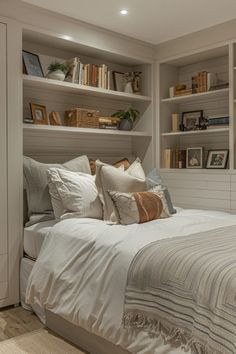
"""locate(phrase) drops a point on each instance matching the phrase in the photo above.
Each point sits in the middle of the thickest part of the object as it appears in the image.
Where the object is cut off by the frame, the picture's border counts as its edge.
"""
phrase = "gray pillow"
(153, 180)
(36, 182)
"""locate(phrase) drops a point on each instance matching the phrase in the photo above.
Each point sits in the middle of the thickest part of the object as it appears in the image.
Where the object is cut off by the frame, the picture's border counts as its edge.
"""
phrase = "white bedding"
(81, 271)
(34, 236)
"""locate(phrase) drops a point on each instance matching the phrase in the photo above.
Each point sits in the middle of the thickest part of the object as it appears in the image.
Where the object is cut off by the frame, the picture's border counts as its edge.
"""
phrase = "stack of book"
(174, 158)
(88, 74)
(109, 122)
(180, 90)
(218, 122)
(200, 82)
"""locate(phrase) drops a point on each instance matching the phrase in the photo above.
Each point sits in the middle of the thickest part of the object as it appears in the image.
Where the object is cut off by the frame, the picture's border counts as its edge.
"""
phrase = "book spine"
(167, 158)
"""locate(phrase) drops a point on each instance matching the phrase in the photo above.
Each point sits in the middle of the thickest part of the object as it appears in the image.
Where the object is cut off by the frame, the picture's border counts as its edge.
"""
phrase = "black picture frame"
(32, 65)
(191, 120)
(215, 160)
(194, 157)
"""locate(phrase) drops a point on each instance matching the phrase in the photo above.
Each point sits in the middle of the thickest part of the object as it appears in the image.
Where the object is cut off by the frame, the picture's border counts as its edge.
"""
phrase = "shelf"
(88, 131)
(67, 87)
(196, 96)
(195, 170)
(196, 132)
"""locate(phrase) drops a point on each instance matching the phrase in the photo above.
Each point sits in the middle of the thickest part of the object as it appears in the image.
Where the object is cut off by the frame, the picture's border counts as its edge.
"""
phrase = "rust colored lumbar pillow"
(139, 207)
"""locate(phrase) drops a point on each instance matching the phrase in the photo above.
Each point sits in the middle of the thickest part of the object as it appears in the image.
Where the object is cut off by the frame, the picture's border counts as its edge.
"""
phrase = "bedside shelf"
(197, 132)
(67, 87)
(197, 96)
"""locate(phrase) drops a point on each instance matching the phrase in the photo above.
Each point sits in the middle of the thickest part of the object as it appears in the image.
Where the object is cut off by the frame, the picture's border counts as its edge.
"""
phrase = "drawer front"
(3, 290)
(3, 268)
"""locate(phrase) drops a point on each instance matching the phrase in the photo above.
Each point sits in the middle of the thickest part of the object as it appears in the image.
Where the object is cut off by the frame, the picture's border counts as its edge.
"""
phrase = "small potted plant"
(127, 118)
(57, 71)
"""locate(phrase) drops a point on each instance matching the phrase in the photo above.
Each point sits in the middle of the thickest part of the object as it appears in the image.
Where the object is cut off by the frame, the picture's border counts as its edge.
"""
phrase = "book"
(175, 122)
(213, 121)
(167, 158)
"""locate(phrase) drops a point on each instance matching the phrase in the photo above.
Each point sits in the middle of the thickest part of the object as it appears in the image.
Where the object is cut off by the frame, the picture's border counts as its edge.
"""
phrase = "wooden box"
(83, 118)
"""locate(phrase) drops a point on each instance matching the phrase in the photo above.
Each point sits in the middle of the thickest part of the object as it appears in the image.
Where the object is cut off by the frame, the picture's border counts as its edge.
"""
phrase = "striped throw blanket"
(184, 289)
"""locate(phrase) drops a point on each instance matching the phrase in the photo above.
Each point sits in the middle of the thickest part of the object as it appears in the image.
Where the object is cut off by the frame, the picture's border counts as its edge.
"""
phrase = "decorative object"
(118, 80)
(55, 118)
(32, 65)
(57, 71)
(194, 157)
(109, 122)
(127, 117)
(128, 78)
(217, 158)
(137, 82)
(39, 113)
(83, 118)
(191, 119)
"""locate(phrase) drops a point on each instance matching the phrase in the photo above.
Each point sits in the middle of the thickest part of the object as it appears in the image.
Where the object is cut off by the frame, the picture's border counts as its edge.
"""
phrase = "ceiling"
(153, 21)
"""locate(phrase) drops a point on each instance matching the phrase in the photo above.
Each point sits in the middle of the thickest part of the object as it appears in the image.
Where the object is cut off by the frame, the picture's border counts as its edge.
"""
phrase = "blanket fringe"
(171, 334)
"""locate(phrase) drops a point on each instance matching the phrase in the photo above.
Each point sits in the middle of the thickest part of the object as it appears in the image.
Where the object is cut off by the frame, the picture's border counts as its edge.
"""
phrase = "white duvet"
(82, 268)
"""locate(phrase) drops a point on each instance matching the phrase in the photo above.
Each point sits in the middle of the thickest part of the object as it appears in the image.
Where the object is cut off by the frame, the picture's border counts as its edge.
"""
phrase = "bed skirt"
(84, 340)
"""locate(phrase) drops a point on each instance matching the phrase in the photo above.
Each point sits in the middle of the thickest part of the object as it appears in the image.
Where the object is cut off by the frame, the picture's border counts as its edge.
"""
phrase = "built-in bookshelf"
(61, 96)
(214, 102)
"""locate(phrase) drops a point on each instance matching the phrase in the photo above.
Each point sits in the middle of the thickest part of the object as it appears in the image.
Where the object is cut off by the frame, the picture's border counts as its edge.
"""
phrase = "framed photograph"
(217, 158)
(39, 113)
(194, 157)
(118, 80)
(191, 120)
(32, 65)
(55, 118)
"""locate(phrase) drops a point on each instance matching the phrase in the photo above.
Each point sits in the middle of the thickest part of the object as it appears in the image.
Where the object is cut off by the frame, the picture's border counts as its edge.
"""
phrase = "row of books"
(174, 158)
(88, 74)
(109, 122)
(202, 82)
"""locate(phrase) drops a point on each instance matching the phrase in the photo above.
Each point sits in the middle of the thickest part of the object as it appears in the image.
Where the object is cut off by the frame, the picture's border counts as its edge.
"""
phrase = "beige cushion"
(73, 192)
(111, 178)
(35, 179)
(139, 207)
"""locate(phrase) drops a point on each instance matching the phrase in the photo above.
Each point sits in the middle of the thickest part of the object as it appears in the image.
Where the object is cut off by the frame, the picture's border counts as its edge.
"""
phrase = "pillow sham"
(74, 192)
(139, 207)
(153, 180)
(35, 180)
(111, 178)
(121, 163)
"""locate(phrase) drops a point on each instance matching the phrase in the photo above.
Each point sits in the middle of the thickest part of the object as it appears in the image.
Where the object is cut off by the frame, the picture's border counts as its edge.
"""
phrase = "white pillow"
(109, 178)
(74, 192)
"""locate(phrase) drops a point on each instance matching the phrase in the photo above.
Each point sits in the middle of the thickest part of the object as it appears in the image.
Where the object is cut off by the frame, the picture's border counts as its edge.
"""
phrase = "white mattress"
(34, 236)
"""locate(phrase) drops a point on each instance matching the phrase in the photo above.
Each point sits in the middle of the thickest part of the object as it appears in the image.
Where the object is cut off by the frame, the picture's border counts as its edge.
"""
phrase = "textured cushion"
(153, 180)
(139, 207)
(35, 176)
(74, 192)
(111, 178)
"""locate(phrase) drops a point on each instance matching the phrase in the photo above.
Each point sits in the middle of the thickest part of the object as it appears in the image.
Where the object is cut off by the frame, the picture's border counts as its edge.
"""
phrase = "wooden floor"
(17, 322)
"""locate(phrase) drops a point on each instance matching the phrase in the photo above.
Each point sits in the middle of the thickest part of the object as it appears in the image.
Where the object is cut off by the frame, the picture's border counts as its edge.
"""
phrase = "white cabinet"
(10, 162)
(3, 165)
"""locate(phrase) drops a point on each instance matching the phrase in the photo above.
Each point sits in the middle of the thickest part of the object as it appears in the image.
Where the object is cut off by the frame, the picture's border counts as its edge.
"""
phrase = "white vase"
(128, 87)
(56, 75)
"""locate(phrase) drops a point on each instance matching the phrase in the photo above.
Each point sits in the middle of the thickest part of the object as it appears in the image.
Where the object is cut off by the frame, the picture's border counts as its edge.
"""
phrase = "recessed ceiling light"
(124, 12)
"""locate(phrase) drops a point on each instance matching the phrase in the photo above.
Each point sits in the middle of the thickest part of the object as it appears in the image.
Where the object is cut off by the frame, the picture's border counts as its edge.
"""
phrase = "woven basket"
(83, 118)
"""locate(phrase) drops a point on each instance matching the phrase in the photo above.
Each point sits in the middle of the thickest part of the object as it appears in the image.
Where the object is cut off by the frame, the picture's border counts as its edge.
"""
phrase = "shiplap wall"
(214, 190)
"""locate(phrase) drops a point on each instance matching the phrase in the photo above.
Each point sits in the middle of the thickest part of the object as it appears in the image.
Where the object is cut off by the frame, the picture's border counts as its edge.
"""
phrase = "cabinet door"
(3, 141)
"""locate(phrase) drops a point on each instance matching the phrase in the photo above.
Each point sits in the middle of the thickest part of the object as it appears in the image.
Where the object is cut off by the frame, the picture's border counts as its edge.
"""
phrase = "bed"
(77, 285)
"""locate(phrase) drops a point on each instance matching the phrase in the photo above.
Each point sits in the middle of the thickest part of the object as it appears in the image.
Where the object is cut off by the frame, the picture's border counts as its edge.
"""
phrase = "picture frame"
(118, 80)
(217, 159)
(55, 118)
(39, 114)
(191, 120)
(32, 64)
(194, 157)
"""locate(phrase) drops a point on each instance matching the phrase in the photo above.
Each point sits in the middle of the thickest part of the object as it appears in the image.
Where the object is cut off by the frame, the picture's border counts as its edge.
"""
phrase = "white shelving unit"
(67, 87)
(213, 103)
(59, 96)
